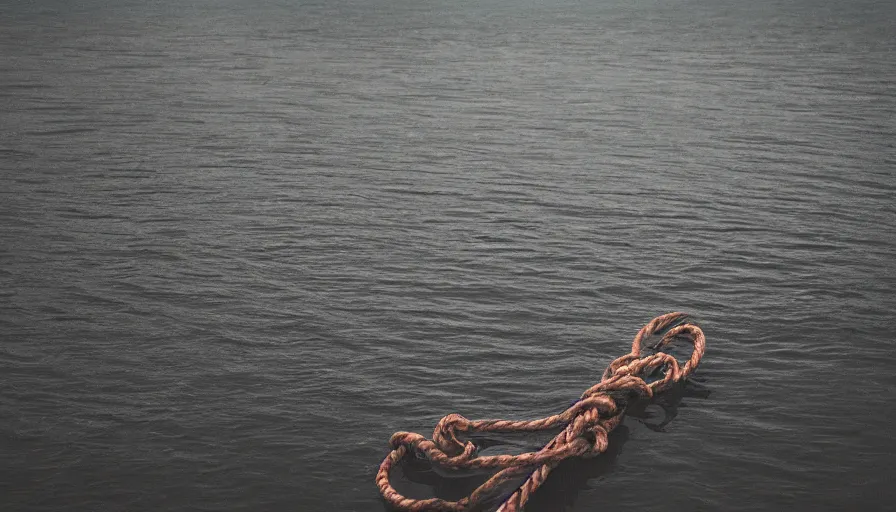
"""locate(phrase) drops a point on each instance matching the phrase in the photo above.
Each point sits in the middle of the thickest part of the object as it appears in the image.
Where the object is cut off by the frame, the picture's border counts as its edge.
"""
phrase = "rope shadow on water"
(573, 476)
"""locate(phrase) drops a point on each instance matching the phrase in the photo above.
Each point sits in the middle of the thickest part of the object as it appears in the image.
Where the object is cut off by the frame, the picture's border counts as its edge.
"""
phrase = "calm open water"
(245, 242)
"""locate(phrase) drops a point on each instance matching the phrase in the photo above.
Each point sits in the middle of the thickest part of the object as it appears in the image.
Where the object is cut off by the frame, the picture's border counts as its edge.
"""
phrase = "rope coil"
(586, 426)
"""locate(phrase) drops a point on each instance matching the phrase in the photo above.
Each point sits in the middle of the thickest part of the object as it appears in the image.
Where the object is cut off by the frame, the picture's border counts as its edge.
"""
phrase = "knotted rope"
(586, 425)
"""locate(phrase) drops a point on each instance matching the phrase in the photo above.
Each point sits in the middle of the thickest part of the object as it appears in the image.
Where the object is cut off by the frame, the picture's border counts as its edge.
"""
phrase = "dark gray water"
(245, 242)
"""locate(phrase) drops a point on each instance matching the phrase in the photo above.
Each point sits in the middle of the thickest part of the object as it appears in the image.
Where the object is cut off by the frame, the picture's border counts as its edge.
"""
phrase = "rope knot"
(619, 366)
(600, 440)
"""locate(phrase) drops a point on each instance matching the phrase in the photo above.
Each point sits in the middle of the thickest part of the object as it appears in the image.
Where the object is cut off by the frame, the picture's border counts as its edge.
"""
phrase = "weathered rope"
(586, 425)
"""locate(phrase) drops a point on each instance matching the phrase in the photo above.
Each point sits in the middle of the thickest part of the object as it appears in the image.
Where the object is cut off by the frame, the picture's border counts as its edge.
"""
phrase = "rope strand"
(586, 426)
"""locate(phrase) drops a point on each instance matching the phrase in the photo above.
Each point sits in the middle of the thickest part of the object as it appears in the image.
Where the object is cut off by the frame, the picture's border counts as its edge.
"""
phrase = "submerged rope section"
(586, 425)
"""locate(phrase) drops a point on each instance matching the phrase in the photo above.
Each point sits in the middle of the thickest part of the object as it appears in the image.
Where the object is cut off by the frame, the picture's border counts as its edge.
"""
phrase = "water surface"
(245, 242)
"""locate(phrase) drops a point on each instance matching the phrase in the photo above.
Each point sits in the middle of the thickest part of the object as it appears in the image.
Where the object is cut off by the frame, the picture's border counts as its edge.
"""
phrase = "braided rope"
(586, 425)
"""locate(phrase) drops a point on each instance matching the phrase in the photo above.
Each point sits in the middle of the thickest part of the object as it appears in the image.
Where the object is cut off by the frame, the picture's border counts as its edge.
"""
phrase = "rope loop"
(445, 436)
(586, 424)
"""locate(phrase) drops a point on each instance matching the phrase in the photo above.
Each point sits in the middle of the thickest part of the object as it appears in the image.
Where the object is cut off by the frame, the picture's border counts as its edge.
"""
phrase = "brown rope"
(586, 425)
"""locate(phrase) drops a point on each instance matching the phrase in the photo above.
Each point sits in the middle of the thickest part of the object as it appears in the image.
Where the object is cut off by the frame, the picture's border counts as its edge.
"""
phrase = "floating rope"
(586, 425)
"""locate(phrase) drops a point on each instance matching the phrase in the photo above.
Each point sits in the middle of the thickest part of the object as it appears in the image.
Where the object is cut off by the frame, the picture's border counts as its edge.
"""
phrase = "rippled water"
(243, 243)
